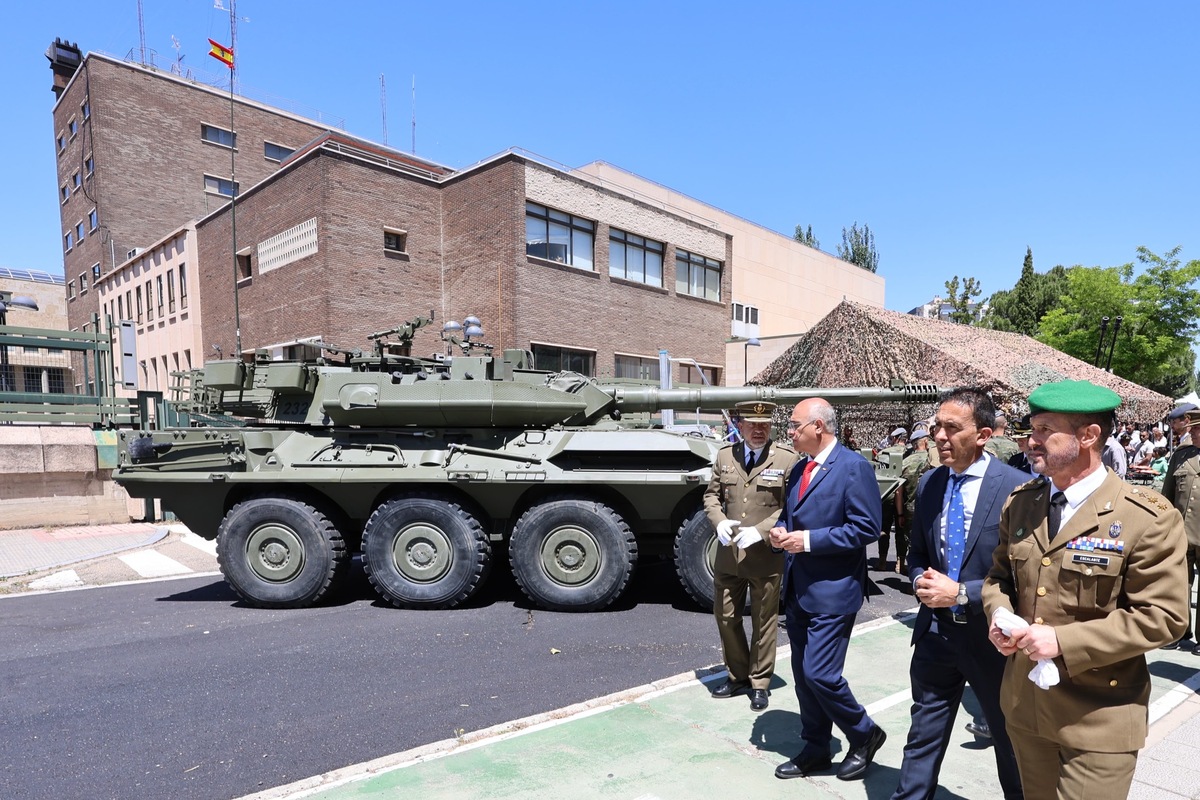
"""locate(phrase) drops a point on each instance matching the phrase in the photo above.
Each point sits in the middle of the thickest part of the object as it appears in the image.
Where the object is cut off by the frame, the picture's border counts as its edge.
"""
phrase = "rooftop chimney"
(65, 58)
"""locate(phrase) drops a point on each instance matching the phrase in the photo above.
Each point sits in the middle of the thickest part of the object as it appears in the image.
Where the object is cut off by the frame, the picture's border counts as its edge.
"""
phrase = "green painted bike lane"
(671, 741)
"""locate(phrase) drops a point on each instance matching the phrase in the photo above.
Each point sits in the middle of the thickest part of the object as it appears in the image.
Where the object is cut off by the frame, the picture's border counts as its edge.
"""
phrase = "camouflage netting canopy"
(860, 345)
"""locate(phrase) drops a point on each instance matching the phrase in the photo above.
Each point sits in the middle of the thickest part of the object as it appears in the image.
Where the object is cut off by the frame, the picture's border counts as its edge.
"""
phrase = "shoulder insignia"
(1028, 486)
(1148, 499)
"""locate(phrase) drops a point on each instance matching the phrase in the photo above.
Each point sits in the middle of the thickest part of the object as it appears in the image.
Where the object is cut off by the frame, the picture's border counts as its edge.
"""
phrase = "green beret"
(1073, 397)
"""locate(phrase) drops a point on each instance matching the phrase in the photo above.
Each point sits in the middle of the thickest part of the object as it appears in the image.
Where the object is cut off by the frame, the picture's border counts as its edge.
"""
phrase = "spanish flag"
(221, 53)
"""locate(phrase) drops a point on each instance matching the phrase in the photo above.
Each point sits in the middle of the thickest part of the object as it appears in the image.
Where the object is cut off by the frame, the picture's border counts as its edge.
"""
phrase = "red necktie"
(809, 468)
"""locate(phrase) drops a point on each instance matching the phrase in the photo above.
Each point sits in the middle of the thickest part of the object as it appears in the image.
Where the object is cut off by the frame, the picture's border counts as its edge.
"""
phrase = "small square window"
(215, 135)
(68, 242)
(395, 241)
(83, 283)
(62, 143)
(221, 186)
(76, 182)
(85, 110)
(79, 231)
(70, 290)
(65, 191)
(244, 269)
(95, 272)
(276, 152)
(93, 220)
(73, 127)
(89, 166)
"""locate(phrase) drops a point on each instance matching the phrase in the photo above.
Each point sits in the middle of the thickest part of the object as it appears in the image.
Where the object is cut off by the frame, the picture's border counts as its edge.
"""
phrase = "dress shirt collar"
(823, 456)
(1081, 490)
(978, 467)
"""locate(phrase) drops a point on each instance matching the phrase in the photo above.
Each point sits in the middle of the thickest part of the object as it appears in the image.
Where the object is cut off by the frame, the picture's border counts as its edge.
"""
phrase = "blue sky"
(959, 132)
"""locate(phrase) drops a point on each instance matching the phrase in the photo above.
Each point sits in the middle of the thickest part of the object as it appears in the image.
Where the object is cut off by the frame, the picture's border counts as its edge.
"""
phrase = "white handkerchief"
(1045, 671)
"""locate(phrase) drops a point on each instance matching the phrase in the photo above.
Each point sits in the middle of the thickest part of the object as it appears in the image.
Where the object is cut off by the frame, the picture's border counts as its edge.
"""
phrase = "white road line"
(1165, 704)
(153, 564)
(59, 580)
(205, 545)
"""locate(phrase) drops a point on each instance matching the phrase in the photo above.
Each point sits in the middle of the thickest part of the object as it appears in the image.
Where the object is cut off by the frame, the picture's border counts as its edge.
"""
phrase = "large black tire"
(280, 552)
(569, 554)
(423, 551)
(695, 554)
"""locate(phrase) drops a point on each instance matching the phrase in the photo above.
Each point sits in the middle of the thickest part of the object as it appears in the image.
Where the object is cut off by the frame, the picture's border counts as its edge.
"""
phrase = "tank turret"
(424, 464)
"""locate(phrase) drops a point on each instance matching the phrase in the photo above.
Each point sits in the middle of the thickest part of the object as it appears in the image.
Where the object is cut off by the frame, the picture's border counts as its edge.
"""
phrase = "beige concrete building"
(152, 292)
(781, 288)
(37, 370)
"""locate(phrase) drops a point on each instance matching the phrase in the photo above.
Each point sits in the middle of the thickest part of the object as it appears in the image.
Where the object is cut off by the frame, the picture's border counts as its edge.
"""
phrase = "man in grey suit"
(955, 529)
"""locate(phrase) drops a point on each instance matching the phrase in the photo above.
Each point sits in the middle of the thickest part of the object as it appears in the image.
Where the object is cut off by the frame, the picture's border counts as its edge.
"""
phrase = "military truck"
(430, 467)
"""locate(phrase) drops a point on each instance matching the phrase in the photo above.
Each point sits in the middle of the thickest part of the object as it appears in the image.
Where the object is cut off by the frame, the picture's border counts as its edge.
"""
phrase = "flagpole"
(237, 315)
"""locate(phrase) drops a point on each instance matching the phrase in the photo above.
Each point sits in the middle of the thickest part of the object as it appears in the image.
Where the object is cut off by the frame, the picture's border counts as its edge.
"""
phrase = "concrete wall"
(55, 475)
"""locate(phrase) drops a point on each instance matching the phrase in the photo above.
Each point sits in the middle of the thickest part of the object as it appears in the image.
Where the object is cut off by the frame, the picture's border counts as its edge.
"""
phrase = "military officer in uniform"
(1095, 568)
(999, 445)
(743, 501)
(1182, 487)
(915, 465)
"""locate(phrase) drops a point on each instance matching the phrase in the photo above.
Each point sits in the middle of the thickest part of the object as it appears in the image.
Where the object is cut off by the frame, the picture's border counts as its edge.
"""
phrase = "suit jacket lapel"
(935, 497)
(819, 473)
(988, 490)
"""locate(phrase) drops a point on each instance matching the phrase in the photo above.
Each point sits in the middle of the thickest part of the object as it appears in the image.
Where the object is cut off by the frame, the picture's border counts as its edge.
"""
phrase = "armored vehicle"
(428, 466)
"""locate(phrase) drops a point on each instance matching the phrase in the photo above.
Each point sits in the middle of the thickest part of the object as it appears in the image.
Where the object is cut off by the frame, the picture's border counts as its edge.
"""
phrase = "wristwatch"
(962, 599)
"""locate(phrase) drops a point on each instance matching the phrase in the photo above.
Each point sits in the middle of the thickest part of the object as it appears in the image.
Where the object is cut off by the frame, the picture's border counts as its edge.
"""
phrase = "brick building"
(347, 238)
(338, 237)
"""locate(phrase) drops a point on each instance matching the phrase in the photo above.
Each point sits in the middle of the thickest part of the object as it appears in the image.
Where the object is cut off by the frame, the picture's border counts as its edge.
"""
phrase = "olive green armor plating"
(426, 466)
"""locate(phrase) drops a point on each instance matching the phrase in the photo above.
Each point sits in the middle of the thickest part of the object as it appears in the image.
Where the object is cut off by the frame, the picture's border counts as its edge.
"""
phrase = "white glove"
(747, 536)
(725, 531)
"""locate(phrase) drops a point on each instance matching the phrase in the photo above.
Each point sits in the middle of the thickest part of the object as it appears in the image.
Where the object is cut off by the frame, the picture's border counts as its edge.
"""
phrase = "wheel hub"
(275, 553)
(571, 555)
(422, 553)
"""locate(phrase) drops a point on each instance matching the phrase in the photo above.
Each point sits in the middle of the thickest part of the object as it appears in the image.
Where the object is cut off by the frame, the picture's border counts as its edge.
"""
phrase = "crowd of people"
(1043, 577)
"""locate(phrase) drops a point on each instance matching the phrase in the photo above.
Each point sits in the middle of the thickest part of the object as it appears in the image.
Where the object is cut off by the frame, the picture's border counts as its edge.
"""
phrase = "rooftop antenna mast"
(141, 33)
(414, 115)
(383, 105)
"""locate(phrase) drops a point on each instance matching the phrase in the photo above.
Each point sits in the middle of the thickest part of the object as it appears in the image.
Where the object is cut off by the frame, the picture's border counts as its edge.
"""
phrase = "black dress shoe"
(1178, 644)
(979, 729)
(1196, 650)
(803, 765)
(758, 699)
(858, 759)
(729, 689)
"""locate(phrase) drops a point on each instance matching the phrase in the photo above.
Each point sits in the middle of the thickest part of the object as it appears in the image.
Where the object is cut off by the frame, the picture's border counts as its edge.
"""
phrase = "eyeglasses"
(796, 427)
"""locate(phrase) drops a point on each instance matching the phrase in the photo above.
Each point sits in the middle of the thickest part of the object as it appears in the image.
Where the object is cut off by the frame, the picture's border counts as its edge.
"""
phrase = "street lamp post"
(9, 300)
(751, 342)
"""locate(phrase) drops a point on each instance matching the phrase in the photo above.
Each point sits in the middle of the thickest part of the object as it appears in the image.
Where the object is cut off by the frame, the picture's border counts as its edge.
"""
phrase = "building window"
(89, 166)
(183, 286)
(149, 301)
(645, 369)
(95, 272)
(120, 308)
(171, 291)
(68, 241)
(706, 376)
(79, 231)
(697, 275)
(563, 359)
(93, 220)
(560, 237)
(395, 240)
(128, 303)
(160, 295)
(62, 143)
(276, 152)
(138, 294)
(32, 379)
(65, 191)
(70, 290)
(76, 183)
(744, 313)
(58, 383)
(85, 110)
(72, 127)
(83, 283)
(244, 267)
(221, 186)
(215, 135)
(635, 258)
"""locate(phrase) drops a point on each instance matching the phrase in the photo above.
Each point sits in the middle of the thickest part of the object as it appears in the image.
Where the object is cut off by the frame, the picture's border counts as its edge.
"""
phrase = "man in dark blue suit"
(832, 513)
(956, 526)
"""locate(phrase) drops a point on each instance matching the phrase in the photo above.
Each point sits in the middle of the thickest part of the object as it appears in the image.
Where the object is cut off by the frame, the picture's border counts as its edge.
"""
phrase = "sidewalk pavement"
(669, 740)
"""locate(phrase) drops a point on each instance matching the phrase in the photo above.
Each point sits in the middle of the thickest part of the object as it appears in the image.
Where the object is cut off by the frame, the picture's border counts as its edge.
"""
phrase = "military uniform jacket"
(1113, 585)
(915, 465)
(751, 498)
(1002, 448)
(1182, 488)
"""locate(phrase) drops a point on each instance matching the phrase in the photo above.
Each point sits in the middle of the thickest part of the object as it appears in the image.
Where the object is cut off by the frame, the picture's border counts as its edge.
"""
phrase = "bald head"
(813, 425)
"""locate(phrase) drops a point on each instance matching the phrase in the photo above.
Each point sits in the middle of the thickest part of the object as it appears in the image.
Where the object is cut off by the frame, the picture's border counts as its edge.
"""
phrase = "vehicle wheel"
(569, 554)
(421, 551)
(695, 554)
(279, 552)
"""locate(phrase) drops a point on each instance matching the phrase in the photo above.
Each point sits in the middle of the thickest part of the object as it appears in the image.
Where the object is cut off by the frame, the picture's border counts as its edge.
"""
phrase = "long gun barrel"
(715, 398)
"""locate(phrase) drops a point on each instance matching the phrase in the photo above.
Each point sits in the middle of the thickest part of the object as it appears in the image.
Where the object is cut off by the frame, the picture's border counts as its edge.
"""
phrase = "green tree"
(960, 302)
(805, 236)
(858, 247)
(1152, 347)
(1021, 308)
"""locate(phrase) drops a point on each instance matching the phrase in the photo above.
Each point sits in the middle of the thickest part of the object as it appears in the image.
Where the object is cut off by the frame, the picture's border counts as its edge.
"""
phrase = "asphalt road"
(174, 689)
